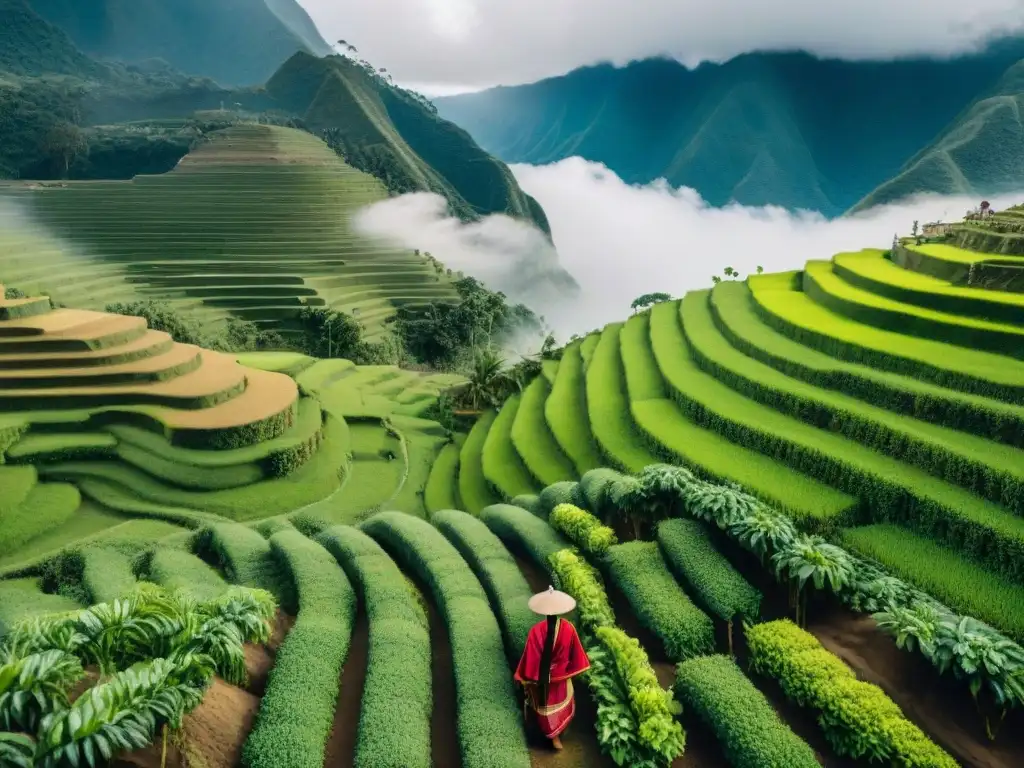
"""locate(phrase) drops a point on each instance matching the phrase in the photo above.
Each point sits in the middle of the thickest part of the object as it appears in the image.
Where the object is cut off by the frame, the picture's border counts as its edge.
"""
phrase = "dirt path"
(580, 738)
(341, 744)
(444, 734)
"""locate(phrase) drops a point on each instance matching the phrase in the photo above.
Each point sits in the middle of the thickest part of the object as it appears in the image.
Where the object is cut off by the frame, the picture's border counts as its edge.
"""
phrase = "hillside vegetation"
(766, 128)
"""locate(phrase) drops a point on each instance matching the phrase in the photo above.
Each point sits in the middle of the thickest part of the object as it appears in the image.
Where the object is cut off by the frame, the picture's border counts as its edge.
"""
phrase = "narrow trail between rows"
(580, 747)
(444, 734)
(341, 744)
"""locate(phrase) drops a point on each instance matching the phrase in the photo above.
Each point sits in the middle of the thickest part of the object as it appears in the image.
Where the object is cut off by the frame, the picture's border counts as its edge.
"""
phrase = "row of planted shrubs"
(156, 652)
(807, 565)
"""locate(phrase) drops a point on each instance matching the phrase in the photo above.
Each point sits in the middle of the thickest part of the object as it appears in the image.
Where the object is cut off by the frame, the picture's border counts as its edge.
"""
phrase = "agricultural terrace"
(756, 494)
(255, 222)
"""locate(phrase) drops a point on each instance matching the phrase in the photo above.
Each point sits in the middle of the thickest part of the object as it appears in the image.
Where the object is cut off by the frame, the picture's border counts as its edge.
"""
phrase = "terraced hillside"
(857, 392)
(255, 222)
(110, 429)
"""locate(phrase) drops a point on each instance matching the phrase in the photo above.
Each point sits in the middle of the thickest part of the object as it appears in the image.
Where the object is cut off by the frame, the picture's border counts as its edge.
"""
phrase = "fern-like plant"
(34, 686)
(811, 558)
(16, 750)
(124, 713)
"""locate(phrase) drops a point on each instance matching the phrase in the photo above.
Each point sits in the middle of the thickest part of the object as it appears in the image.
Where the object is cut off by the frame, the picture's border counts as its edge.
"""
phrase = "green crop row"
(528, 501)
(869, 270)
(822, 285)
(564, 492)
(245, 558)
(652, 737)
(858, 719)
(737, 320)
(743, 720)
(689, 551)
(677, 439)
(894, 492)
(989, 469)
(608, 406)
(942, 573)
(394, 717)
(473, 488)
(533, 441)
(297, 710)
(178, 569)
(497, 571)
(502, 466)
(43, 508)
(639, 571)
(566, 412)
(37, 448)
(595, 487)
(489, 720)
(523, 530)
(794, 314)
(107, 574)
(582, 529)
(442, 489)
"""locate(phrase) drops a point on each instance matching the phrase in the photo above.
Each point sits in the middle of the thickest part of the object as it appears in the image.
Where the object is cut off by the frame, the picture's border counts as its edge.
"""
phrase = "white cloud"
(619, 241)
(486, 42)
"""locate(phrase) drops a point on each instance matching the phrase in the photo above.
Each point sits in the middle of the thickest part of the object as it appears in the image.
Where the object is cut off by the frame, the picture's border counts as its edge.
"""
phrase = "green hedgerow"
(689, 551)
(490, 724)
(394, 716)
(858, 719)
(582, 528)
(297, 710)
(518, 528)
(637, 568)
(743, 720)
(501, 578)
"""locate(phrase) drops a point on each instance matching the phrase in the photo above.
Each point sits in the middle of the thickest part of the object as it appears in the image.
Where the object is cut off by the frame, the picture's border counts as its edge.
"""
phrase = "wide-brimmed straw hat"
(551, 602)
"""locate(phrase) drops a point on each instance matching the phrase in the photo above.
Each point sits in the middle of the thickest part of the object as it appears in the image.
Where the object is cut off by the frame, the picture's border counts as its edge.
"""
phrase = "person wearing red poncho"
(552, 657)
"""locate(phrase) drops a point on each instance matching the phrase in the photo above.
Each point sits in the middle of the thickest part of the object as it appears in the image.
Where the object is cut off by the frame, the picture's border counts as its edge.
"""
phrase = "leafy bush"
(498, 573)
(660, 738)
(595, 485)
(297, 710)
(638, 569)
(528, 501)
(858, 719)
(582, 528)
(489, 719)
(689, 551)
(394, 717)
(579, 579)
(32, 686)
(16, 750)
(520, 529)
(566, 492)
(743, 720)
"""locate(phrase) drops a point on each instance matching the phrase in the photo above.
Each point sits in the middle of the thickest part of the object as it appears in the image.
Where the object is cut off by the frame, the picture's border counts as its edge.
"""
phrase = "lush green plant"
(498, 574)
(616, 725)
(595, 485)
(582, 528)
(812, 559)
(525, 531)
(639, 571)
(581, 580)
(33, 686)
(665, 486)
(17, 750)
(297, 710)
(858, 719)
(394, 717)
(689, 551)
(743, 720)
(489, 721)
(123, 713)
(658, 733)
(724, 505)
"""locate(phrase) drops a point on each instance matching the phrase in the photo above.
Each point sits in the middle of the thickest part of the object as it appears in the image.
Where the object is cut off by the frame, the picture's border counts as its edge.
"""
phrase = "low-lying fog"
(619, 241)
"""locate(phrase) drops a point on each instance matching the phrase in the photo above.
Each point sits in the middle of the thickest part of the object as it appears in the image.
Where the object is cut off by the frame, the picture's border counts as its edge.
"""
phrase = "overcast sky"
(454, 44)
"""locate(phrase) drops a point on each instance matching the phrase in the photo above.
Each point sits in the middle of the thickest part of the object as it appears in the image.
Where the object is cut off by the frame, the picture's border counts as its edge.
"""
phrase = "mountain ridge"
(763, 128)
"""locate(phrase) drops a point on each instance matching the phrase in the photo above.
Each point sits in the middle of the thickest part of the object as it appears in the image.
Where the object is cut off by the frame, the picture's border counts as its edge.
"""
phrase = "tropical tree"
(64, 142)
(33, 686)
(648, 299)
(485, 379)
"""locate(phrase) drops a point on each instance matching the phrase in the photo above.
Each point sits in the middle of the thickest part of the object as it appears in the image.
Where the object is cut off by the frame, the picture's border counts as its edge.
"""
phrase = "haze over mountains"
(782, 129)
